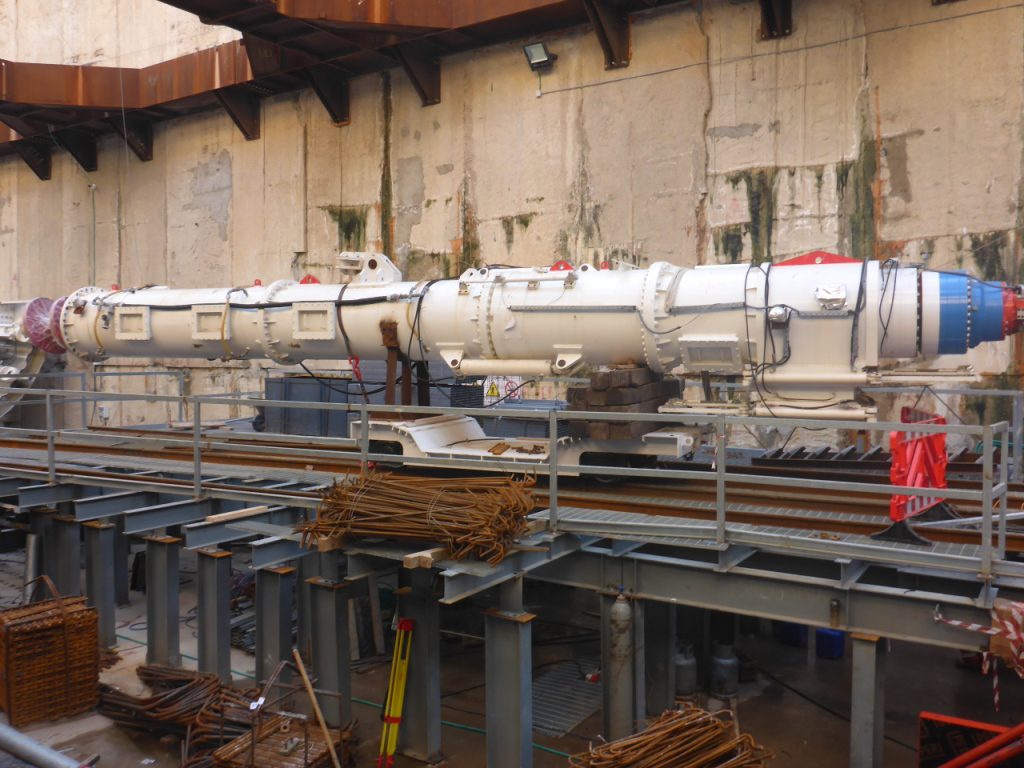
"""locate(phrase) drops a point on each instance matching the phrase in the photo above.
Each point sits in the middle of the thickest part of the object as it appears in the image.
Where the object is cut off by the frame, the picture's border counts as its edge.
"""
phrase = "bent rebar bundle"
(473, 517)
(687, 738)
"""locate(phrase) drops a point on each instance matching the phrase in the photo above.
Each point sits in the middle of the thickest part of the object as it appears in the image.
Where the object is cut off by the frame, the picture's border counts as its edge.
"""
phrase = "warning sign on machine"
(502, 388)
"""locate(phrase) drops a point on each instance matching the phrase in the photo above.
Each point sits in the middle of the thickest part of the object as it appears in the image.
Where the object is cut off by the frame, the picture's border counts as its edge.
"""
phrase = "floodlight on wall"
(539, 57)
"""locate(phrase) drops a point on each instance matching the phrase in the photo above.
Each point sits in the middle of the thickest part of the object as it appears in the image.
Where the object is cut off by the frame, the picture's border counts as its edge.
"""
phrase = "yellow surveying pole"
(392, 715)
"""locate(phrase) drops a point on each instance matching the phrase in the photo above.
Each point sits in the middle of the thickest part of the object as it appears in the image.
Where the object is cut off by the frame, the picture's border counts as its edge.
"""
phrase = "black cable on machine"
(348, 344)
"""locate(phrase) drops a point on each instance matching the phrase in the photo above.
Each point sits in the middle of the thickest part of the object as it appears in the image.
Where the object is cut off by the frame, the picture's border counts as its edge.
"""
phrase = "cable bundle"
(472, 517)
(690, 738)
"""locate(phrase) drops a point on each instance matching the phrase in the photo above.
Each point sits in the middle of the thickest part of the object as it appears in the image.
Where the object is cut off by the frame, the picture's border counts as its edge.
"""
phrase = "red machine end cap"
(41, 324)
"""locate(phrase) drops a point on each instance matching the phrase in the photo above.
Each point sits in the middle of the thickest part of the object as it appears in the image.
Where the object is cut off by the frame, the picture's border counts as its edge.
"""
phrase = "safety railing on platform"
(992, 496)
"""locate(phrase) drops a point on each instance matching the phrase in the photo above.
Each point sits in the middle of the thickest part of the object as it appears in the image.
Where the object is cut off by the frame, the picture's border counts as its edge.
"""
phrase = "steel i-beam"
(420, 735)
(867, 704)
(330, 651)
(162, 600)
(213, 586)
(99, 577)
(275, 607)
(509, 680)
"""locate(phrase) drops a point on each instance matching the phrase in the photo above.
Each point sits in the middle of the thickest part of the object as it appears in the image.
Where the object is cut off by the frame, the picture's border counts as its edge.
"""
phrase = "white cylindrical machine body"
(825, 323)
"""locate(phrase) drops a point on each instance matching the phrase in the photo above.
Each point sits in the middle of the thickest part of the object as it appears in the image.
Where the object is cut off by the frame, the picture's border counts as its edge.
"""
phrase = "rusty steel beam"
(397, 15)
(612, 29)
(136, 132)
(80, 145)
(331, 87)
(243, 107)
(110, 88)
(425, 73)
(776, 19)
(37, 154)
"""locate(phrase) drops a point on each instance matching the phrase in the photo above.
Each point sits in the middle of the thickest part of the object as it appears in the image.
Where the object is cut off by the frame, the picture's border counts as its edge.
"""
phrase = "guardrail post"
(83, 402)
(1017, 444)
(720, 480)
(986, 501)
(181, 395)
(197, 453)
(553, 469)
(1004, 461)
(51, 462)
(364, 432)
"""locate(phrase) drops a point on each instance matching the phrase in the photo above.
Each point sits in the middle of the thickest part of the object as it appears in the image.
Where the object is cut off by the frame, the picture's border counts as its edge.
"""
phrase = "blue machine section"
(970, 312)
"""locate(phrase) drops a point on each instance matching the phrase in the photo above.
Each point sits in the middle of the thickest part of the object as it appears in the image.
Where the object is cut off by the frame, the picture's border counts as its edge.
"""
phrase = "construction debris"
(687, 738)
(215, 722)
(49, 659)
(471, 517)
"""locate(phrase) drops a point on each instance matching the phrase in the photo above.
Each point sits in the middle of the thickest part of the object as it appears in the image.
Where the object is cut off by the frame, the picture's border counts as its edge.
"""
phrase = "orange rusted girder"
(408, 15)
(114, 88)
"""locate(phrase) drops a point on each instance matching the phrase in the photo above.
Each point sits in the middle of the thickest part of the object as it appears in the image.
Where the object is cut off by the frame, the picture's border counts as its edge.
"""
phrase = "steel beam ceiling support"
(136, 132)
(425, 73)
(331, 87)
(243, 107)
(275, 607)
(213, 585)
(38, 155)
(99, 578)
(867, 701)
(162, 600)
(80, 145)
(331, 651)
(420, 735)
(508, 662)
(612, 29)
(776, 19)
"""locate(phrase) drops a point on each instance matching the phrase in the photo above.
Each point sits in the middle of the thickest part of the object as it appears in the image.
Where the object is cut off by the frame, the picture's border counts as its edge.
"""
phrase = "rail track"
(863, 513)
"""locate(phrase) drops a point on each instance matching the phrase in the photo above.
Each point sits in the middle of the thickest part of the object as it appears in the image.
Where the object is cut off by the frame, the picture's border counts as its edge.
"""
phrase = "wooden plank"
(426, 558)
(237, 514)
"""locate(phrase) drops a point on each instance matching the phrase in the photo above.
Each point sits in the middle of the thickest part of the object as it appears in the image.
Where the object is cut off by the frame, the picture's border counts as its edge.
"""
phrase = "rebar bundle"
(49, 659)
(472, 517)
(687, 738)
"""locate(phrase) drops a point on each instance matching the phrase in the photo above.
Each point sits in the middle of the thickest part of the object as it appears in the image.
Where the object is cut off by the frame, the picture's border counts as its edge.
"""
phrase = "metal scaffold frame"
(872, 589)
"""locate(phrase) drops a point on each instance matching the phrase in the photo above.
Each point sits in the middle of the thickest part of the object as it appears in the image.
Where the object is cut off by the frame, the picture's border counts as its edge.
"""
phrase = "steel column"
(867, 705)
(330, 647)
(659, 653)
(509, 681)
(67, 574)
(420, 735)
(122, 562)
(99, 578)
(162, 600)
(617, 665)
(213, 588)
(308, 568)
(275, 608)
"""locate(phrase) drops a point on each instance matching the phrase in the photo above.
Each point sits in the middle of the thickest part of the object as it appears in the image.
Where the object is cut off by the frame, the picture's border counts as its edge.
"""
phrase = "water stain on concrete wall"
(211, 189)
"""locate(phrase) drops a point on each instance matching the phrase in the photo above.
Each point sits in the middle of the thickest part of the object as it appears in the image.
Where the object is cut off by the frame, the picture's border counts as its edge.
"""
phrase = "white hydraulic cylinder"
(811, 328)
